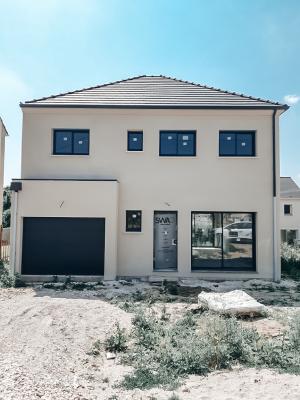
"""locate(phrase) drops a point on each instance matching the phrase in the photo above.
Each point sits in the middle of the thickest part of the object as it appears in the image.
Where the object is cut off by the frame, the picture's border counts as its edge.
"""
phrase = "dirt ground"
(46, 336)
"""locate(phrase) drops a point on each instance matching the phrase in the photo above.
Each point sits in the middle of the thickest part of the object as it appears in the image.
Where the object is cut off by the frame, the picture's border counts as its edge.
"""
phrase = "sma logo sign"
(163, 220)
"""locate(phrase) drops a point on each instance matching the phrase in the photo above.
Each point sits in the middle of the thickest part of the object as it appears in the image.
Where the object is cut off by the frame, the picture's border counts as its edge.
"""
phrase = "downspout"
(275, 250)
(13, 234)
(15, 187)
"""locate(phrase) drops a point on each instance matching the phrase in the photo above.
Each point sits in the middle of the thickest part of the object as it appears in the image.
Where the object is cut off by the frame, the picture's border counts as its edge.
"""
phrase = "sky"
(246, 46)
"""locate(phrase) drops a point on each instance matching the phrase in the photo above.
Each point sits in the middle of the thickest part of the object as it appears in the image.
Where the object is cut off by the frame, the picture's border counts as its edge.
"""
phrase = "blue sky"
(52, 46)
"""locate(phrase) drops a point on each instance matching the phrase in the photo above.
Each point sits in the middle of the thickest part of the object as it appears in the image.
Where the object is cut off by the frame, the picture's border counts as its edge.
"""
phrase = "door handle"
(174, 242)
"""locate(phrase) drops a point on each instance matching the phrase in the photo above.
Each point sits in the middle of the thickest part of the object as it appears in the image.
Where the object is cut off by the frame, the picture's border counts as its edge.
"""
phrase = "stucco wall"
(149, 182)
(290, 221)
(70, 199)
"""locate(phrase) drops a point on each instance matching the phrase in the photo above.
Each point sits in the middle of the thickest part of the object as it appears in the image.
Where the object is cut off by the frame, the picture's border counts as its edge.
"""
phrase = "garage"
(63, 246)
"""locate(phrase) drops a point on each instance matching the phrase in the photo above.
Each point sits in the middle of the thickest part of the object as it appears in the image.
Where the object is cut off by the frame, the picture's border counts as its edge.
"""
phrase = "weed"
(7, 280)
(174, 396)
(113, 397)
(163, 352)
(117, 342)
(96, 348)
(78, 286)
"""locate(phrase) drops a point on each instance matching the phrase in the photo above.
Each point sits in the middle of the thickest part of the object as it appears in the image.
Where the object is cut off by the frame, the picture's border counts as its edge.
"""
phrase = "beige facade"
(150, 183)
(50, 198)
(290, 221)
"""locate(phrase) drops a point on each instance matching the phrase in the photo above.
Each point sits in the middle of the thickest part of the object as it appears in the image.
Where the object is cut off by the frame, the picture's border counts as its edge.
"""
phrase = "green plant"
(290, 260)
(113, 397)
(6, 207)
(117, 342)
(8, 280)
(294, 333)
(163, 352)
(174, 396)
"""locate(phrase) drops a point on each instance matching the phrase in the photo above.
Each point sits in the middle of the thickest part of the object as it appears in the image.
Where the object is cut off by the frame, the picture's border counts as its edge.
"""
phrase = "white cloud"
(291, 99)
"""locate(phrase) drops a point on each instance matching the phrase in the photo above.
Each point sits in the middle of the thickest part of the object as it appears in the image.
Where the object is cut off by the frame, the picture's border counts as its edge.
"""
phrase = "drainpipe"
(275, 227)
(14, 187)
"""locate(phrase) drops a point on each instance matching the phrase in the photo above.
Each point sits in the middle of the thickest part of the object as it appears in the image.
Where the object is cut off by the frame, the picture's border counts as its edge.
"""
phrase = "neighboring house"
(3, 133)
(289, 211)
(150, 176)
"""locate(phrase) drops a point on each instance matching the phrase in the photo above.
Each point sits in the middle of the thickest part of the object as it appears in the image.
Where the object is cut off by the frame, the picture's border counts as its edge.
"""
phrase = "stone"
(236, 302)
(110, 356)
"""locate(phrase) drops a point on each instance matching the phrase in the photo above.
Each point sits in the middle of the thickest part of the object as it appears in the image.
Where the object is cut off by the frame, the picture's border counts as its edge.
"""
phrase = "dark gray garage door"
(63, 246)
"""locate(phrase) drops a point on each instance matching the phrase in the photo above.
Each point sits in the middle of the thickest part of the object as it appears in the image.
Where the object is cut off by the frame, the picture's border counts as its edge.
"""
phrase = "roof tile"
(153, 92)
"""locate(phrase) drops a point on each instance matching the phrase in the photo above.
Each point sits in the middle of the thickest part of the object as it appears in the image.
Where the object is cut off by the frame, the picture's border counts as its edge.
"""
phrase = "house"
(289, 211)
(149, 176)
(3, 134)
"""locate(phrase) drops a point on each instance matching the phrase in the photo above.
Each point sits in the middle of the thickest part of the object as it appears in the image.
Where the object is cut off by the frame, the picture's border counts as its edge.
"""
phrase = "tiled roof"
(152, 92)
(288, 188)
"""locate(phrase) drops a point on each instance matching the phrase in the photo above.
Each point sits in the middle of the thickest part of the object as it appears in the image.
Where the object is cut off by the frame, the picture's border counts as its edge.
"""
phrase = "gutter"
(275, 244)
(283, 107)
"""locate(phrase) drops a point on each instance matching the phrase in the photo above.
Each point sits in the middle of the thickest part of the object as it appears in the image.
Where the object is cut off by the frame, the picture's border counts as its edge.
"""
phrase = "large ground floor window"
(223, 240)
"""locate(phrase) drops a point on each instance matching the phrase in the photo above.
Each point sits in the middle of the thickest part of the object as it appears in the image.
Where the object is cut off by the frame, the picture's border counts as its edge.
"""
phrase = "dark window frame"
(290, 208)
(139, 132)
(236, 133)
(128, 215)
(175, 212)
(177, 133)
(222, 268)
(73, 132)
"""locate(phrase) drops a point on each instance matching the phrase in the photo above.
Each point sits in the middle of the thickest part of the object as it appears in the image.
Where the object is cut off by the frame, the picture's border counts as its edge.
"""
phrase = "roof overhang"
(156, 107)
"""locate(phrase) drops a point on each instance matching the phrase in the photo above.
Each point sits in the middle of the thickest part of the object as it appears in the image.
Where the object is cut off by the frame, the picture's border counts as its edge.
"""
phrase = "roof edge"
(4, 127)
(283, 107)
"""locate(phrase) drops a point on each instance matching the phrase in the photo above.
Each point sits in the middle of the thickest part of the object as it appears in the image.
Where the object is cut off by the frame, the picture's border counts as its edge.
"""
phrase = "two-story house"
(289, 211)
(148, 176)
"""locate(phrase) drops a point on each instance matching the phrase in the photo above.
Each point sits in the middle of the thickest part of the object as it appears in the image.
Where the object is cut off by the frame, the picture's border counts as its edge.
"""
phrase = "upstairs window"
(69, 142)
(134, 141)
(241, 144)
(287, 209)
(177, 143)
(133, 221)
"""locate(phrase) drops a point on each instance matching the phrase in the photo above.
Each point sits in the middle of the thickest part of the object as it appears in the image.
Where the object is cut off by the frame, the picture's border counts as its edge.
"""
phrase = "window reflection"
(222, 240)
(237, 240)
(206, 240)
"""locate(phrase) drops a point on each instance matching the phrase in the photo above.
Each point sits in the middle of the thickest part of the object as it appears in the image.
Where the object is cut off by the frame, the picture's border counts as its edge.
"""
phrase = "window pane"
(62, 142)
(206, 240)
(133, 221)
(81, 142)
(238, 240)
(291, 236)
(135, 141)
(168, 144)
(227, 144)
(287, 209)
(244, 144)
(186, 144)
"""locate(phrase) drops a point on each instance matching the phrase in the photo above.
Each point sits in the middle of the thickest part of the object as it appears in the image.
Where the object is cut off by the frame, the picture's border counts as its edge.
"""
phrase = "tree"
(6, 207)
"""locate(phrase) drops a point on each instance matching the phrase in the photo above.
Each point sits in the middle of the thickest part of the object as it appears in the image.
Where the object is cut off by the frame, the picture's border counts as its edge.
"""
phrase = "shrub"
(290, 260)
(7, 280)
(117, 342)
(163, 352)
